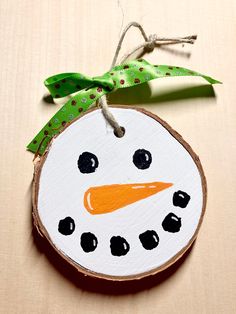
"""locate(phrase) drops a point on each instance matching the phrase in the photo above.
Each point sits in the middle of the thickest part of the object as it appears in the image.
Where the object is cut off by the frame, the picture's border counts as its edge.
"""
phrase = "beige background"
(41, 38)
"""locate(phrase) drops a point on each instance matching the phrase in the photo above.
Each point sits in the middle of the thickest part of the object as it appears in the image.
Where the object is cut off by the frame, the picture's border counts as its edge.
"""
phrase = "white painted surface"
(62, 189)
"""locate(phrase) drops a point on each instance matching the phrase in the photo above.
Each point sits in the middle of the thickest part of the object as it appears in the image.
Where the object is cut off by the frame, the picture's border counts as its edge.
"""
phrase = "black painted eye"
(149, 239)
(142, 159)
(171, 223)
(87, 162)
(88, 242)
(181, 199)
(66, 226)
(119, 246)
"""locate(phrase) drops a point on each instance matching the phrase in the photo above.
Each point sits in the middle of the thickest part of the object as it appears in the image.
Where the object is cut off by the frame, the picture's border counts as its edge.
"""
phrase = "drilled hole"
(123, 132)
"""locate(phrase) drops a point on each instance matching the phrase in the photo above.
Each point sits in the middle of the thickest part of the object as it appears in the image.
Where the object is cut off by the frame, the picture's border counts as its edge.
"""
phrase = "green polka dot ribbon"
(87, 90)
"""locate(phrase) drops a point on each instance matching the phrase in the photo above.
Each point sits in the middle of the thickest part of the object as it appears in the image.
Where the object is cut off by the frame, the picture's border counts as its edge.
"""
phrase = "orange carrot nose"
(107, 198)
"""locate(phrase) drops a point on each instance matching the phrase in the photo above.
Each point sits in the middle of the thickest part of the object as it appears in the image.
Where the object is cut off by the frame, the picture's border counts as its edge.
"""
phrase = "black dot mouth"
(88, 242)
(149, 239)
(119, 246)
(172, 223)
(181, 199)
(66, 226)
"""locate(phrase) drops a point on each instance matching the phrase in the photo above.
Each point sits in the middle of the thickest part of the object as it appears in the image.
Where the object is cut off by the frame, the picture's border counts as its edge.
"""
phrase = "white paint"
(62, 188)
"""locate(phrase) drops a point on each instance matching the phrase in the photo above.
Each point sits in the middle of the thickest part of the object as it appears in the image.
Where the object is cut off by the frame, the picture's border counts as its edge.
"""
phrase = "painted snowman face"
(120, 207)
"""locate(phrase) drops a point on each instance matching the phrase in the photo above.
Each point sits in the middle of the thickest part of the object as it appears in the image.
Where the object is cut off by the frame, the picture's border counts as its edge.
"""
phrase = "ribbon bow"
(88, 90)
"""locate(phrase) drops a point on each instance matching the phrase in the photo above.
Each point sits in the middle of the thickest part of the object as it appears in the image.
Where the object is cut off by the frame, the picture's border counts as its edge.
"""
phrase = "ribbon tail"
(70, 110)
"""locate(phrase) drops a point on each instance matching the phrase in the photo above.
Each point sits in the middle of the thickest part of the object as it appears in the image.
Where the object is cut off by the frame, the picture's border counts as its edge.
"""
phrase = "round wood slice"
(119, 208)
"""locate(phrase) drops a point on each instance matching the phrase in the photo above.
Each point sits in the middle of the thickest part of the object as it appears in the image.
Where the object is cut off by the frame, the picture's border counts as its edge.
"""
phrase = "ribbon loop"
(65, 84)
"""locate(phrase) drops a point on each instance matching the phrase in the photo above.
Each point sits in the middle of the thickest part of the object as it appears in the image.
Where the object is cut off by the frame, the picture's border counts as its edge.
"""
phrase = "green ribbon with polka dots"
(84, 91)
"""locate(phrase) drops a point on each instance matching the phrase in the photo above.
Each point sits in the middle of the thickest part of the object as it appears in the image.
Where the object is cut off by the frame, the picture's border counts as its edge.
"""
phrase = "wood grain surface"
(41, 38)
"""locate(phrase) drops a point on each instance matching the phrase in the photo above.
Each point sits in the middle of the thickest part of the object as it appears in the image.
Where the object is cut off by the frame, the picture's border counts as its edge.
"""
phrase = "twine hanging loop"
(148, 46)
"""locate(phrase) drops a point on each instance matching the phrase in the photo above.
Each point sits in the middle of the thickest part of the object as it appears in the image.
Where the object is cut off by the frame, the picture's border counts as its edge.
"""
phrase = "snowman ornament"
(119, 208)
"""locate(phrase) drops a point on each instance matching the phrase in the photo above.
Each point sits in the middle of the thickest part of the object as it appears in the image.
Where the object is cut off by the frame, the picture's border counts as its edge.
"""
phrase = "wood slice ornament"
(119, 208)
